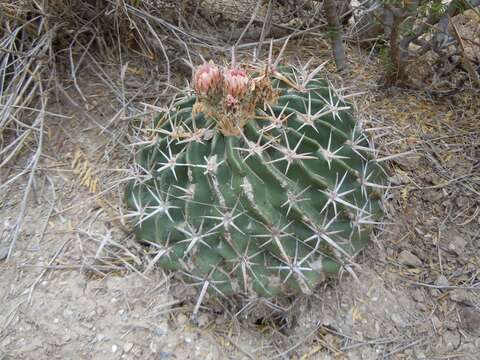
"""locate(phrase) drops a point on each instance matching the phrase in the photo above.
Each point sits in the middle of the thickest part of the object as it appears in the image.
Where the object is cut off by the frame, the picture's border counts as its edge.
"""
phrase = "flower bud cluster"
(210, 79)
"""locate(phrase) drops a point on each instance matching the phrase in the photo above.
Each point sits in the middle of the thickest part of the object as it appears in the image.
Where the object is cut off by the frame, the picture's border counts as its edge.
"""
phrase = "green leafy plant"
(260, 183)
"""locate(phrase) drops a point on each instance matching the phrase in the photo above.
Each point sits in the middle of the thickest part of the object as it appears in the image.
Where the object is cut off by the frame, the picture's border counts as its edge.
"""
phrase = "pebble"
(182, 319)
(408, 162)
(457, 245)
(459, 295)
(398, 179)
(127, 347)
(67, 337)
(452, 340)
(219, 320)
(67, 314)
(468, 349)
(166, 355)
(442, 281)
(462, 201)
(398, 320)
(437, 324)
(203, 320)
(470, 319)
(451, 325)
(3, 252)
(432, 196)
(114, 348)
(418, 296)
(407, 258)
(161, 329)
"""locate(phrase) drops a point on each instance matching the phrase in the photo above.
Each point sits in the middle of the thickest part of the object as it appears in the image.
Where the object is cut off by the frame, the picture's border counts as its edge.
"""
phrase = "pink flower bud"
(236, 82)
(231, 101)
(207, 78)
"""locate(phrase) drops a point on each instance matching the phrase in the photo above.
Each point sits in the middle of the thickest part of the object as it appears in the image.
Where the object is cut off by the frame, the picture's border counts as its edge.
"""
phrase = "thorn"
(294, 198)
(290, 155)
(194, 319)
(334, 196)
(328, 155)
(280, 54)
(194, 236)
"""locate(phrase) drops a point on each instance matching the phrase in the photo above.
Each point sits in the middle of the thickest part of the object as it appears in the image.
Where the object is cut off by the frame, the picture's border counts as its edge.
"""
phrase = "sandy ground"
(78, 286)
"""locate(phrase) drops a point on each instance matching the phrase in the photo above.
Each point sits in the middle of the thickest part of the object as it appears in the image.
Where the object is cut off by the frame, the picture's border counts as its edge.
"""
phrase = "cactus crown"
(260, 183)
(230, 96)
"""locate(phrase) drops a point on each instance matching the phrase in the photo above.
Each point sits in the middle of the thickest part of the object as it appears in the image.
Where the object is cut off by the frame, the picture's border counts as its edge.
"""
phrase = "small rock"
(451, 325)
(462, 201)
(398, 320)
(418, 296)
(437, 324)
(368, 353)
(432, 178)
(409, 353)
(182, 319)
(114, 348)
(67, 314)
(420, 355)
(457, 245)
(459, 295)
(432, 196)
(66, 338)
(203, 320)
(468, 348)
(470, 319)
(452, 340)
(398, 179)
(3, 252)
(161, 329)
(421, 306)
(166, 355)
(354, 355)
(127, 347)
(442, 281)
(408, 162)
(407, 258)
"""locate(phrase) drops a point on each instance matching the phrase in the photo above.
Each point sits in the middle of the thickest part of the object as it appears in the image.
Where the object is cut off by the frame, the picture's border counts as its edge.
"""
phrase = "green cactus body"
(268, 208)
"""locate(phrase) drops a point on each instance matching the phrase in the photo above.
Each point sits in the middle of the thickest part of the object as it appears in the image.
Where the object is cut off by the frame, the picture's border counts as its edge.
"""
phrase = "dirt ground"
(78, 286)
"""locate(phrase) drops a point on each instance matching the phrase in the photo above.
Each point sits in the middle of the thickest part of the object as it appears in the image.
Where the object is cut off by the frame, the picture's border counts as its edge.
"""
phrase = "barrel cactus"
(259, 182)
